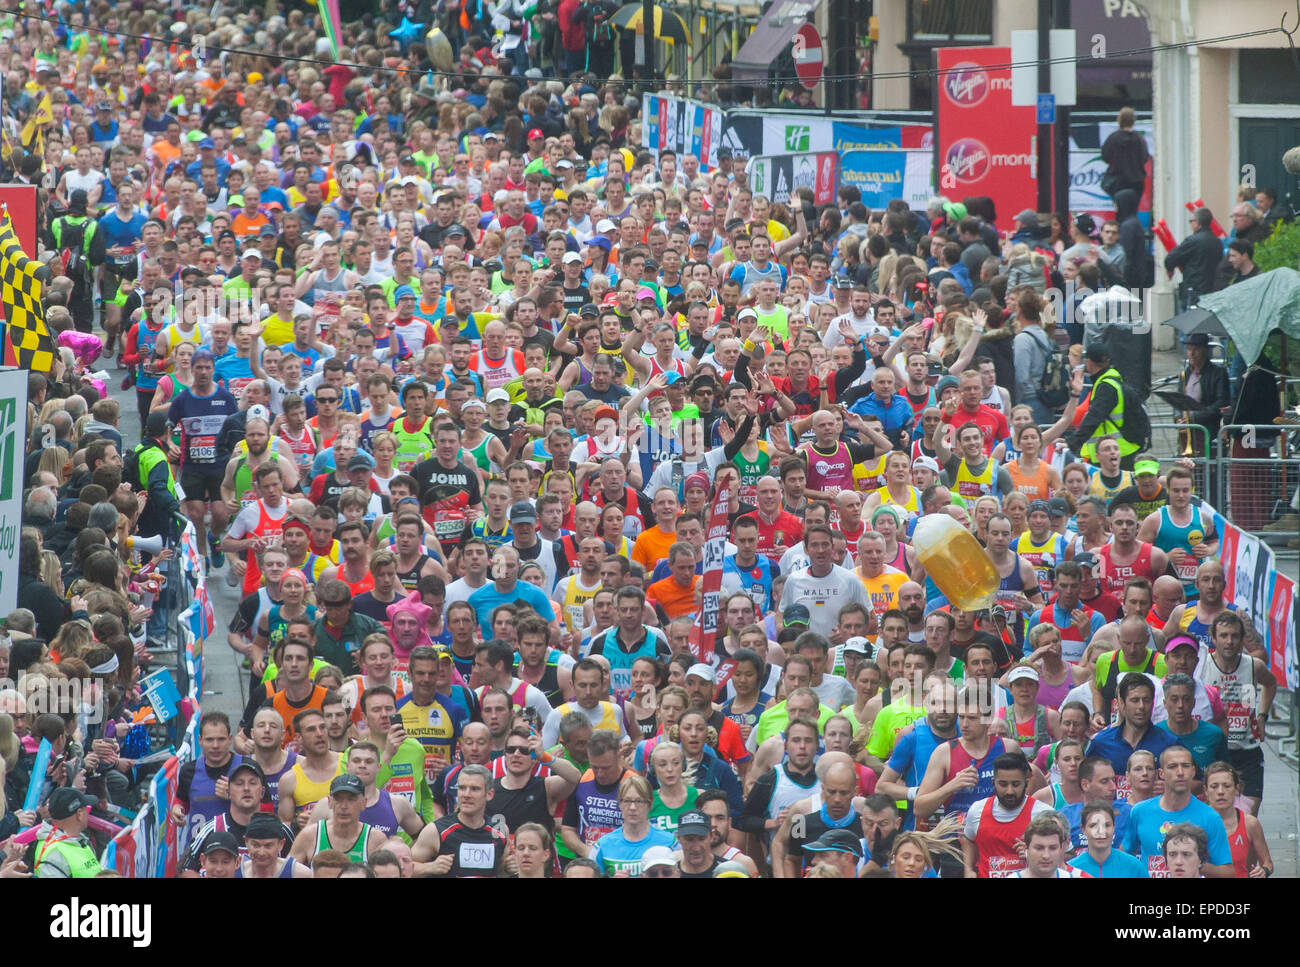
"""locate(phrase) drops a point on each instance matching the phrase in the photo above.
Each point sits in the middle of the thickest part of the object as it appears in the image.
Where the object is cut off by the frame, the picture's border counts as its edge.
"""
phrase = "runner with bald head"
(1195, 617)
(832, 805)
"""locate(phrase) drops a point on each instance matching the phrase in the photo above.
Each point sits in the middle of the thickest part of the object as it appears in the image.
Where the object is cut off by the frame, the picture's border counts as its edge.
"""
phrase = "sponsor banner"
(879, 175)
(776, 177)
(855, 137)
(743, 134)
(1252, 584)
(1281, 632)
(793, 135)
(13, 440)
(682, 125)
(985, 146)
(1087, 168)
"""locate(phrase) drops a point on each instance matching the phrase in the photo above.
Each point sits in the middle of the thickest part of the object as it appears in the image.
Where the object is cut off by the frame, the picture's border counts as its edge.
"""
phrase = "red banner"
(704, 633)
(986, 146)
(1281, 630)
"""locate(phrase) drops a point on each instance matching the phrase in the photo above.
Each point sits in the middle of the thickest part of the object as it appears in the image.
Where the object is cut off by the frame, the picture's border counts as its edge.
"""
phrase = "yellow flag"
(43, 115)
(6, 146)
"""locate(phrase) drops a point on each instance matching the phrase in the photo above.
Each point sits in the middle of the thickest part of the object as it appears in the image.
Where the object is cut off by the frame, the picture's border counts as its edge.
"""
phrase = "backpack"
(1054, 383)
(73, 242)
(1137, 421)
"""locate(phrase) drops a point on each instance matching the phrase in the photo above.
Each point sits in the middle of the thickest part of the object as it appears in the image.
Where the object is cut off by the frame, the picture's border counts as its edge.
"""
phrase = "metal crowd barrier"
(1257, 483)
(1179, 441)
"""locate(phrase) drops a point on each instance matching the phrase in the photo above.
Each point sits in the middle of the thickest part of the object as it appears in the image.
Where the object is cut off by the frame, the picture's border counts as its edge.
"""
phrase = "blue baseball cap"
(672, 377)
(207, 143)
(403, 292)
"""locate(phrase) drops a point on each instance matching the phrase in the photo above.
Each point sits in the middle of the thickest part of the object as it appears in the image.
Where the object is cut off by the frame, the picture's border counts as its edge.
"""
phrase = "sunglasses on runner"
(518, 750)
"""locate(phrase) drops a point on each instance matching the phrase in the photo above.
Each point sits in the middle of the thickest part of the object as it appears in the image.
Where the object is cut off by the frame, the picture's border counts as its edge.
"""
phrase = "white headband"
(108, 666)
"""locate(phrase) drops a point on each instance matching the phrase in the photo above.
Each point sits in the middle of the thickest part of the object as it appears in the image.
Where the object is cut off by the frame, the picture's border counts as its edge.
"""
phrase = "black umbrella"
(1198, 320)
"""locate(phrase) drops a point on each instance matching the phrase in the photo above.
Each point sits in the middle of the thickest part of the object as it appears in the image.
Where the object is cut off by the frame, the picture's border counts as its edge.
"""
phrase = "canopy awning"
(755, 58)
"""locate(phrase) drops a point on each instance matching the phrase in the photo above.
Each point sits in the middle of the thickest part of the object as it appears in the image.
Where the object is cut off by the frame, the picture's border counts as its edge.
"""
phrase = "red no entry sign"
(808, 60)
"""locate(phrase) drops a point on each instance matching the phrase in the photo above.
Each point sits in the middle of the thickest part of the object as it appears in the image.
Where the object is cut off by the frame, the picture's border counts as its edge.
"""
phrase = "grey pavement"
(225, 682)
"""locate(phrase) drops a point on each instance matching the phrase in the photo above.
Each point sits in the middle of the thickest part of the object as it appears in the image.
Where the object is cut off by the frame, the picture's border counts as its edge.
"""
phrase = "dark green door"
(1262, 142)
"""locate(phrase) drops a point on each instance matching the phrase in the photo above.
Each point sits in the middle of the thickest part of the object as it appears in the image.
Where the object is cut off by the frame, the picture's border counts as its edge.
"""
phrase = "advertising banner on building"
(985, 146)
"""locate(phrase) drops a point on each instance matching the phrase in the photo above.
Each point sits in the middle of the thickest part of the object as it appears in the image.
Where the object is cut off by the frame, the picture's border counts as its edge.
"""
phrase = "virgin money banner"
(1281, 632)
(985, 146)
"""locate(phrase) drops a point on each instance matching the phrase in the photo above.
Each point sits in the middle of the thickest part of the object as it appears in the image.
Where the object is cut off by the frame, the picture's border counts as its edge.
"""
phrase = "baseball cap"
(747, 313)
(588, 311)
(571, 258)
(657, 856)
(693, 823)
(1027, 216)
(701, 670)
(926, 463)
(843, 282)
(796, 614)
(535, 133)
(522, 510)
(258, 412)
(651, 265)
(235, 201)
(1086, 559)
(605, 412)
(498, 395)
(605, 226)
(1197, 339)
(645, 293)
(251, 766)
(349, 783)
(222, 842)
(1058, 507)
(207, 143)
(611, 298)
(1022, 672)
(1181, 638)
(266, 230)
(836, 841)
(1146, 466)
(227, 234)
(599, 241)
(859, 645)
(403, 292)
(156, 425)
(251, 253)
(455, 228)
(103, 106)
(533, 73)
(358, 462)
(563, 163)
(65, 802)
(672, 376)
